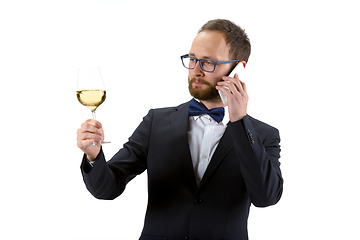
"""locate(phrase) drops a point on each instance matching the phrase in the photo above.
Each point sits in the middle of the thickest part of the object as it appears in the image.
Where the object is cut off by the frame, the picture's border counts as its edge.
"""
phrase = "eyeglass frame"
(201, 64)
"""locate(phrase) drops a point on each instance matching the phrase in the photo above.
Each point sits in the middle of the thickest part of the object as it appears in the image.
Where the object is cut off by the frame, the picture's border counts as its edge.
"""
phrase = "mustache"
(192, 80)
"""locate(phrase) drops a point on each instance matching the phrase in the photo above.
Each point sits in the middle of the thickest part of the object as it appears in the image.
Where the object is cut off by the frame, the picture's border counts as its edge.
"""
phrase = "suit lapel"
(222, 149)
(179, 126)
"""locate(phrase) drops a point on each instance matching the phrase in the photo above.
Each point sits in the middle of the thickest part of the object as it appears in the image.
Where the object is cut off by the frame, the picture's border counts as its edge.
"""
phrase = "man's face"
(208, 45)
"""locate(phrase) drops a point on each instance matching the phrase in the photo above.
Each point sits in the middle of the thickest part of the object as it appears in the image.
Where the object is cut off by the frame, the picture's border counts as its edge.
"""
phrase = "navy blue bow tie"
(196, 109)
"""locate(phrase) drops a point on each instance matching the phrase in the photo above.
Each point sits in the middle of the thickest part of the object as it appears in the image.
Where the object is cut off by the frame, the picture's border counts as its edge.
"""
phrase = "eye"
(192, 59)
(208, 63)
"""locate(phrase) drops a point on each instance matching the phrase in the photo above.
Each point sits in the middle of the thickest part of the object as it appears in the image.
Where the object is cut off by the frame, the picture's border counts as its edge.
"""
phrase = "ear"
(244, 63)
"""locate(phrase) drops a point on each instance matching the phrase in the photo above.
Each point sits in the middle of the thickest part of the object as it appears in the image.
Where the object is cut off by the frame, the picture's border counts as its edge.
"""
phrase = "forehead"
(210, 44)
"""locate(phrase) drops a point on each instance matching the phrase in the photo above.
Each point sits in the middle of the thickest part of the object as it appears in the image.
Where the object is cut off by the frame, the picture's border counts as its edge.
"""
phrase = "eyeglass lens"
(206, 65)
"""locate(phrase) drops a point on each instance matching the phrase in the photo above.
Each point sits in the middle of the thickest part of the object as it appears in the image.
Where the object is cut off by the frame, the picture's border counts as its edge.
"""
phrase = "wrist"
(238, 118)
(93, 157)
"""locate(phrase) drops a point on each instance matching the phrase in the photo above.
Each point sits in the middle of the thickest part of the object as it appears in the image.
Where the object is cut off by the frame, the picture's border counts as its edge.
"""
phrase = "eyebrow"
(205, 57)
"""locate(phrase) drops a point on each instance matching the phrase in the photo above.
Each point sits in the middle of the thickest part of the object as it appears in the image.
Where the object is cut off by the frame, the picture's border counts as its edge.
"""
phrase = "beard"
(210, 93)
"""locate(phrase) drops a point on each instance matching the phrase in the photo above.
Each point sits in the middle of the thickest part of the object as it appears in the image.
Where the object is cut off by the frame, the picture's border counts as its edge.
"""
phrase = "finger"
(86, 134)
(243, 86)
(90, 126)
(101, 133)
(96, 137)
(224, 87)
(85, 143)
(93, 122)
(236, 76)
(224, 90)
(240, 86)
(231, 80)
(233, 85)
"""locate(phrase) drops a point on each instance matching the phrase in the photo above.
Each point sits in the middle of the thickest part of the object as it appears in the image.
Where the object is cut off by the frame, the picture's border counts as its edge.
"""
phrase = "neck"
(214, 103)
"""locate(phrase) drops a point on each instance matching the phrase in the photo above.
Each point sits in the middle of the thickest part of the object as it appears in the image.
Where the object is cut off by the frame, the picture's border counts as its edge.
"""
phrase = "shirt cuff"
(93, 162)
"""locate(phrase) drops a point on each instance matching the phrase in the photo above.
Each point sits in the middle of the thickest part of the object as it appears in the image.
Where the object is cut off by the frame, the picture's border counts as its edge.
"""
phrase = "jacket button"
(197, 201)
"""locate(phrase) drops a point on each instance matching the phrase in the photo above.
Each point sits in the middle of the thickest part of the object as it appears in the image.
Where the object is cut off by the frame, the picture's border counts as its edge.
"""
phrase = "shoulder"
(262, 128)
(169, 110)
(165, 114)
(259, 124)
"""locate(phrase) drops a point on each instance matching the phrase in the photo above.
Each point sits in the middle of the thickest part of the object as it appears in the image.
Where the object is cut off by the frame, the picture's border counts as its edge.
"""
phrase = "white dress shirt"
(204, 135)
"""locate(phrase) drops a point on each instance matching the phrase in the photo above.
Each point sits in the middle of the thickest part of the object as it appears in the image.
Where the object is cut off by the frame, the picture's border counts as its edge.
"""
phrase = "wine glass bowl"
(91, 91)
(92, 99)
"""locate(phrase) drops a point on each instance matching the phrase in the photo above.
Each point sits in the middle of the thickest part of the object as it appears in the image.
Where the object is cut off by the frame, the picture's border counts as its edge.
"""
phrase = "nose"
(197, 71)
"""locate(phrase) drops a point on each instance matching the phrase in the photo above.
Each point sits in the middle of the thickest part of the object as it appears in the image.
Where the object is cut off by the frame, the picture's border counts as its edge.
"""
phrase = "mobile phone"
(237, 69)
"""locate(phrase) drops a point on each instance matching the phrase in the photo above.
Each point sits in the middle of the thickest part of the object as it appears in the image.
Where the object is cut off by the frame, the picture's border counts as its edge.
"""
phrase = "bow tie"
(196, 109)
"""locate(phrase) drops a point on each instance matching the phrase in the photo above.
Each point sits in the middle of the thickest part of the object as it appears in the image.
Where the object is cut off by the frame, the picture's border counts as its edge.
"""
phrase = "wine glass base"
(99, 143)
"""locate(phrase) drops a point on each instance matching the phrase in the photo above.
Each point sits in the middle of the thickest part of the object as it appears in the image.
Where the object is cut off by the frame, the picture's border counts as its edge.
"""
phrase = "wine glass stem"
(93, 115)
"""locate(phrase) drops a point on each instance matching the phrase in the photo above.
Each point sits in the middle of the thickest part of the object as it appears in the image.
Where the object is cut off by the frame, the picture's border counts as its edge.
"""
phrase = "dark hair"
(236, 37)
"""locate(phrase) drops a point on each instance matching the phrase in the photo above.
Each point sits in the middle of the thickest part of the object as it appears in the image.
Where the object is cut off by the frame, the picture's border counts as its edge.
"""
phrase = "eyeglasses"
(206, 65)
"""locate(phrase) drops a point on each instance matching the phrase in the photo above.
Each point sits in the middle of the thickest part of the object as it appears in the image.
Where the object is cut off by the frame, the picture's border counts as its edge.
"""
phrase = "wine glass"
(91, 91)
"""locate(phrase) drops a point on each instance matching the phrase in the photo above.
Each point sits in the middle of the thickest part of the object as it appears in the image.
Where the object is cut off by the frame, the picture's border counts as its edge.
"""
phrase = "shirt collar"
(226, 118)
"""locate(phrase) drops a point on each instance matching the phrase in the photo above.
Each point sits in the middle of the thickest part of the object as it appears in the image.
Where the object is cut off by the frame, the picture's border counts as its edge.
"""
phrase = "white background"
(302, 77)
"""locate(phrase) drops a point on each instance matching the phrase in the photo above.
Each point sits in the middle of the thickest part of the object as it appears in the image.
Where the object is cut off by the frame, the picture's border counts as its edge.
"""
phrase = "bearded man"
(206, 161)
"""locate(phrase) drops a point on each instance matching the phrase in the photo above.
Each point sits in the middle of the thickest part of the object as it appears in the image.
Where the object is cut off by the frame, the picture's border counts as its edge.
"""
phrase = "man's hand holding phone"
(235, 92)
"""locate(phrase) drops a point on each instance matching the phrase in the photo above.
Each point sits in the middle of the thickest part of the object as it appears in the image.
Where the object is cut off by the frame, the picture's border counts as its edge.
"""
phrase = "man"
(204, 171)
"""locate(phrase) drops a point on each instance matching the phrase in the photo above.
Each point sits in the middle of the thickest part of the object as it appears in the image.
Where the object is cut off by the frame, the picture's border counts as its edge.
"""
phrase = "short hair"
(236, 37)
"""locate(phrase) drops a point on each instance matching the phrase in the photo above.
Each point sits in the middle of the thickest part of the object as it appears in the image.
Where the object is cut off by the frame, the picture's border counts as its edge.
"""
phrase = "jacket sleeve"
(107, 180)
(258, 150)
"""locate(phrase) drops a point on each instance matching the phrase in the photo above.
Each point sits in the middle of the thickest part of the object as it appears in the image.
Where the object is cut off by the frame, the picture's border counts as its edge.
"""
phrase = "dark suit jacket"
(243, 170)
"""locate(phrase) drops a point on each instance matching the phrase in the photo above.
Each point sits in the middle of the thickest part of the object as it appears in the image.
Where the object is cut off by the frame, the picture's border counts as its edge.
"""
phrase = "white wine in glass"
(91, 99)
(91, 90)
